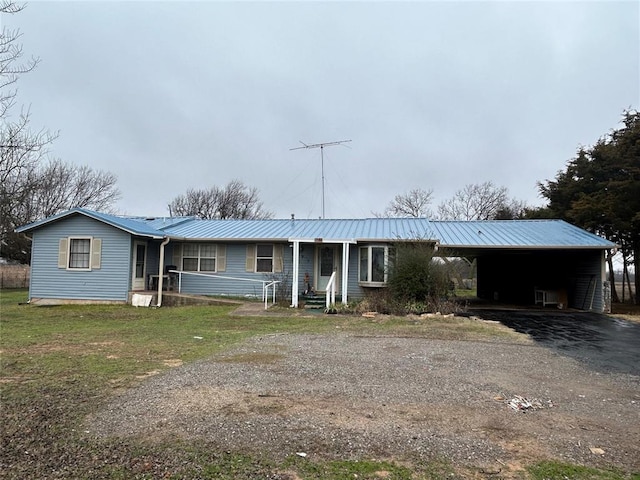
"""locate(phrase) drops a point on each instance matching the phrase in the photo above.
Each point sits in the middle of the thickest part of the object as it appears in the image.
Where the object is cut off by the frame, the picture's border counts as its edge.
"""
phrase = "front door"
(327, 263)
(139, 266)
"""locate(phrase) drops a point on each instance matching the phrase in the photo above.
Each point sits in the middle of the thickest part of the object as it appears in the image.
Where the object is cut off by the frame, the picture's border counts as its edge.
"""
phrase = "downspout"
(161, 270)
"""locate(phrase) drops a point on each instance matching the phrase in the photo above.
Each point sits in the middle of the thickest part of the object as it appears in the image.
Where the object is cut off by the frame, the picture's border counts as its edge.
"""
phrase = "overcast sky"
(436, 95)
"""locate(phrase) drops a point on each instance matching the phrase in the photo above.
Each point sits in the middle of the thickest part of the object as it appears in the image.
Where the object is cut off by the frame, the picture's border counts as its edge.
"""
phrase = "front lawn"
(61, 363)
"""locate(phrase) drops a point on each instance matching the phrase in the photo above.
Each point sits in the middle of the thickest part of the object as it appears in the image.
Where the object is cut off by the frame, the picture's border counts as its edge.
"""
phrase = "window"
(264, 258)
(373, 265)
(199, 257)
(141, 253)
(79, 253)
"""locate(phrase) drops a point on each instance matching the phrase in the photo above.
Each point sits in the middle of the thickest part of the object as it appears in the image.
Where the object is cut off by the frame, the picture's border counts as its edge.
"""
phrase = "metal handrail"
(265, 283)
(265, 293)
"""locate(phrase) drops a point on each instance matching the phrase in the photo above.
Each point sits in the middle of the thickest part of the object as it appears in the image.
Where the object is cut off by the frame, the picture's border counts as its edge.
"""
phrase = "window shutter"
(251, 258)
(176, 257)
(63, 251)
(96, 252)
(221, 258)
(277, 258)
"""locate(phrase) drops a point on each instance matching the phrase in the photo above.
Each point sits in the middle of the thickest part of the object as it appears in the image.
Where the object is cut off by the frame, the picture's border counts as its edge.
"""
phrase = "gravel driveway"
(406, 399)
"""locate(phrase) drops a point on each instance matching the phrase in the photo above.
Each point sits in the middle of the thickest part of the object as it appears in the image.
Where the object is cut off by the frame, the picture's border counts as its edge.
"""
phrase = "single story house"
(82, 255)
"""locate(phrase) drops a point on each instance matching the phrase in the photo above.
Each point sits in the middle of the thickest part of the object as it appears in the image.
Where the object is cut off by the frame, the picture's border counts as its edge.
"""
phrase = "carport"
(546, 263)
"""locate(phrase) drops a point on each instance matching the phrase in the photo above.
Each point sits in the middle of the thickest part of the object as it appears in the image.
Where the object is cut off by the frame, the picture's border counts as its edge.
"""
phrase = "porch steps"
(316, 302)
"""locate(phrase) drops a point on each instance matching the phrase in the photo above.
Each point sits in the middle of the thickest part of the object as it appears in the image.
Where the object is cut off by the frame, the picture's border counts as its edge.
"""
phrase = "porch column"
(345, 271)
(295, 274)
(165, 241)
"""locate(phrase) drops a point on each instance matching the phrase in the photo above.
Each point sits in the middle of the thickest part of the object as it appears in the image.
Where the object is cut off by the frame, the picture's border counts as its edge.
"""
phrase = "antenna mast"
(321, 147)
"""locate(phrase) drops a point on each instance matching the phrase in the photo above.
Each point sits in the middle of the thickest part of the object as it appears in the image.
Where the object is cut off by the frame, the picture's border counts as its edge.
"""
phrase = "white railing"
(266, 284)
(265, 293)
(331, 291)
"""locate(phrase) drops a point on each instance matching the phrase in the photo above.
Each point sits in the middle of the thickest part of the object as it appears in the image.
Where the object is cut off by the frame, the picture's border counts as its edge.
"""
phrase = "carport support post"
(605, 286)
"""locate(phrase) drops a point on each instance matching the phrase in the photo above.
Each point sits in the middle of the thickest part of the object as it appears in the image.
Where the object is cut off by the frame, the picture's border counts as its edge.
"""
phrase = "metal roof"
(500, 234)
(163, 223)
(460, 234)
(366, 229)
(135, 226)
(516, 234)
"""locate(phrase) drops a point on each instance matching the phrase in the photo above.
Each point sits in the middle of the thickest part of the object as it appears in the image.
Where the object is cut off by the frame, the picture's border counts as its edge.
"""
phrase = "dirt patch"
(405, 399)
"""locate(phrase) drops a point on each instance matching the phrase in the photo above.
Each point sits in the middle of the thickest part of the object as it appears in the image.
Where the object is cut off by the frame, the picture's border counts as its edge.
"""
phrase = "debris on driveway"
(522, 404)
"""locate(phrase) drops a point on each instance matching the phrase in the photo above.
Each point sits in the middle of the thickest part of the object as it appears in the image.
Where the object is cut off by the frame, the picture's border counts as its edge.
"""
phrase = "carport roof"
(539, 234)
(496, 234)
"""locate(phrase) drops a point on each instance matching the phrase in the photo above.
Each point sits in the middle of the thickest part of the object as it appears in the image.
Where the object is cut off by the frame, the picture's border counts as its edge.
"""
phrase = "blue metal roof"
(516, 234)
(135, 226)
(497, 233)
(452, 234)
(326, 229)
(163, 223)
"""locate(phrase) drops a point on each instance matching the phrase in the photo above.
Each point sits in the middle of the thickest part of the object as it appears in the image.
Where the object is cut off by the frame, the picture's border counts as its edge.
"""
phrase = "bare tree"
(480, 201)
(20, 148)
(197, 203)
(61, 186)
(415, 203)
(32, 187)
(512, 210)
(10, 56)
(235, 200)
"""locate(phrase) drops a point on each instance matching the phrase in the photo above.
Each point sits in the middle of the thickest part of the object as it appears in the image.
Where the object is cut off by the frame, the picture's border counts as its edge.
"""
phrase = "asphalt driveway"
(604, 343)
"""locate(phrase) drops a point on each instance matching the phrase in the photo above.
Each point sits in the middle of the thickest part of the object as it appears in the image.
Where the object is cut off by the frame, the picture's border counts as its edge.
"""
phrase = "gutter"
(161, 269)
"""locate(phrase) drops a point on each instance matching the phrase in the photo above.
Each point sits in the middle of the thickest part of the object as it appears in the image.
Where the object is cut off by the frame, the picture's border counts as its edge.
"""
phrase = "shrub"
(416, 277)
(417, 283)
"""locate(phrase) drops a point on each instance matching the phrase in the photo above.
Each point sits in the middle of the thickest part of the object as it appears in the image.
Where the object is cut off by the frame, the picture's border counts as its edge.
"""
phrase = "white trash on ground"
(522, 404)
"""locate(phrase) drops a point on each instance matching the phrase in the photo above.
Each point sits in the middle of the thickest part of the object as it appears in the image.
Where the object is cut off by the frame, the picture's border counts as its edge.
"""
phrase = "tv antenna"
(321, 147)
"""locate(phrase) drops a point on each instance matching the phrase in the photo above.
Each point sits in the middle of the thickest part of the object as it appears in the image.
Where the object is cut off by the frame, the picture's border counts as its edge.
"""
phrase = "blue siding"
(235, 277)
(110, 282)
(354, 291)
(307, 255)
(234, 283)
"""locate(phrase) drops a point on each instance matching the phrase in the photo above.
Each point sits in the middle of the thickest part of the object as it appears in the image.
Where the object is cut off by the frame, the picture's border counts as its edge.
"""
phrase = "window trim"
(90, 256)
(369, 248)
(272, 257)
(199, 257)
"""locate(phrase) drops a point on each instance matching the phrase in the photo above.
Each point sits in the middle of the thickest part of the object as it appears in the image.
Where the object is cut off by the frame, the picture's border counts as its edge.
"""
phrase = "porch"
(174, 299)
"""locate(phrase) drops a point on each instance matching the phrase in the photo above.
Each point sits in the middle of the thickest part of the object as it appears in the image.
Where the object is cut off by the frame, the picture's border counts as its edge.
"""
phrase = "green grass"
(61, 363)
(465, 293)
(552, 470)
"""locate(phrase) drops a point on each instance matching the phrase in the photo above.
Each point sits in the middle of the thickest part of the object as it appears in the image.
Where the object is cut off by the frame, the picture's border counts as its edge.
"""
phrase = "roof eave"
(87, 213)
(531, 247)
